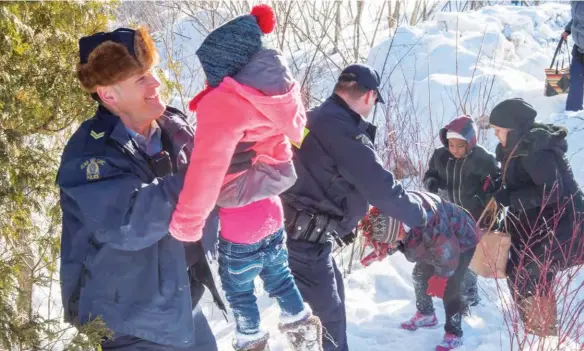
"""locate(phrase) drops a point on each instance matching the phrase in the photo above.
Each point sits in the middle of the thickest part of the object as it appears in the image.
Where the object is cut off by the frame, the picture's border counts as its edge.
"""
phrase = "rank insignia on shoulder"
(95, 135)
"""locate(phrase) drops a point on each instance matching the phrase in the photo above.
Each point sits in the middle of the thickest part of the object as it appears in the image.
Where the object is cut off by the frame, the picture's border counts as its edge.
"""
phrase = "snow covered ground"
(381, 296)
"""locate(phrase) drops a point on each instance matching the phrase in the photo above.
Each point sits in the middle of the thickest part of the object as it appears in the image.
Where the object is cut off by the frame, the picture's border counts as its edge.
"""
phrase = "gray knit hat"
(228, 48)
(384, 229)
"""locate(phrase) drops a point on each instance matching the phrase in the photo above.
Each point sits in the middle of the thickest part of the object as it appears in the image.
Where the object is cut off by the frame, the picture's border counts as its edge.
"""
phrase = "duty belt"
(314, 228)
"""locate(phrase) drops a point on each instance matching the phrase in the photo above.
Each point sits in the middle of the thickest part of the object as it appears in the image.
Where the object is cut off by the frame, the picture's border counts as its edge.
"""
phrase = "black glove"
(347, 239)
(497, 181)
(502, 197)
(242, 157)
(432, 184)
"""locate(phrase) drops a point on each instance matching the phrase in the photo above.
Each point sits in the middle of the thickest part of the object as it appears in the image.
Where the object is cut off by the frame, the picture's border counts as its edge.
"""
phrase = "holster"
(314, 228)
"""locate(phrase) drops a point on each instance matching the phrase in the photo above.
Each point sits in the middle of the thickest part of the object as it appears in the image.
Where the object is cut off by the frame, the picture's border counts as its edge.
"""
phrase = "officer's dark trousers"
(321, 284)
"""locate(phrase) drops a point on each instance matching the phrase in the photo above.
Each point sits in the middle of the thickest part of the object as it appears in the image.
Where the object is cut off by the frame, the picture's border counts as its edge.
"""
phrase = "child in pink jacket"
(250, 97)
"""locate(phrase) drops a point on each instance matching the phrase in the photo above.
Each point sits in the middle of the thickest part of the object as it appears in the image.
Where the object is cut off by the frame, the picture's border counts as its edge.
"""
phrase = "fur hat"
(106, 58)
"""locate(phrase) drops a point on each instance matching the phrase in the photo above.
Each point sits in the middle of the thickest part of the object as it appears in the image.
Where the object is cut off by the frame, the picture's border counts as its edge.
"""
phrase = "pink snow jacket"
(261, 104)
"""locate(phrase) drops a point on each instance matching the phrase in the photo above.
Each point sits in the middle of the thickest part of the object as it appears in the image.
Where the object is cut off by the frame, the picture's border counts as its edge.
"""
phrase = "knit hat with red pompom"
(228, 48)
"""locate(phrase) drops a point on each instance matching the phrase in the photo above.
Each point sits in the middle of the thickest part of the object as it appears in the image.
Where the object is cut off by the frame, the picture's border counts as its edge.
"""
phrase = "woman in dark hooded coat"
(545, 203)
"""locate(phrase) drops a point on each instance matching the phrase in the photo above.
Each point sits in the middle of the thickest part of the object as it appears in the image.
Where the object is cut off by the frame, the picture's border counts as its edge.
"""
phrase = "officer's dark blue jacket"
(340, 173)
(118, 260)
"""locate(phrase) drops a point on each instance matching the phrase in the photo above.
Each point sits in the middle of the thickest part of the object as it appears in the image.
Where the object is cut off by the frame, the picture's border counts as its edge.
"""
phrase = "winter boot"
(256, 342)
(420, 321)
(450, 342)
(304, 334)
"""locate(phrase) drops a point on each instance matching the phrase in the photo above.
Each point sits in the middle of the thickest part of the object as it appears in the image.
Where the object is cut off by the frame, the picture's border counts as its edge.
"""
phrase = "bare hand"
(565, 35)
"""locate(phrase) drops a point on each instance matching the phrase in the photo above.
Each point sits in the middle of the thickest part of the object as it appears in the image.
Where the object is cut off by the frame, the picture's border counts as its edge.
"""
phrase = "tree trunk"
(305, 17)
(378, 22)
(25, 277)
(305, 93)
(360, 6)
(414, 18)
(286, 21)
(390, 21)
(396, 13)
(337, 26)
(475, 5)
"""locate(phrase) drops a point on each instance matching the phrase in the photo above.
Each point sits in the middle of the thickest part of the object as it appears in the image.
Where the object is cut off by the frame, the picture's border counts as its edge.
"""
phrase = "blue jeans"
(240, 264)
(576, 93)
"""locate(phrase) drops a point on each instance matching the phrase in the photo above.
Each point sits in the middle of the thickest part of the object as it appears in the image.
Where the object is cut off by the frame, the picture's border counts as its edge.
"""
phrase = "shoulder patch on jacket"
(364, 139)
(91, 168)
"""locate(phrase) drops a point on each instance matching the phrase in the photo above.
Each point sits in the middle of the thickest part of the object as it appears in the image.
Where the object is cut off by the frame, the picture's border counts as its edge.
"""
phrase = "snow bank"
(457, 52)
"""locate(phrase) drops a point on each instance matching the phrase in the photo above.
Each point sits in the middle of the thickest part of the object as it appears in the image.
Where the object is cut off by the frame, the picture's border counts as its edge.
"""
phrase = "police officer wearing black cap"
(120, 176)
(339, 176)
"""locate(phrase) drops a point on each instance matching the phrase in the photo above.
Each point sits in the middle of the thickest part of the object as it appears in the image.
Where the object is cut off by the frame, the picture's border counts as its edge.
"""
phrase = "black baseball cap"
(365, 76)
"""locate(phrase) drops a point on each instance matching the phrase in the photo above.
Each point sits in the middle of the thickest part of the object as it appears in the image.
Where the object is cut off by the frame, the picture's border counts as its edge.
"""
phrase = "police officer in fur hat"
(120, 176)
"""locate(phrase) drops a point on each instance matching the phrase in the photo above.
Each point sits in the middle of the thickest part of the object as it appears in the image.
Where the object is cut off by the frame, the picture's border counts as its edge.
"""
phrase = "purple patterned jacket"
(450, 231)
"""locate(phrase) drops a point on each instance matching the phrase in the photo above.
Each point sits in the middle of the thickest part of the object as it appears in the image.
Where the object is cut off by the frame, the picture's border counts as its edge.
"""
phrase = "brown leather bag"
(491, 255)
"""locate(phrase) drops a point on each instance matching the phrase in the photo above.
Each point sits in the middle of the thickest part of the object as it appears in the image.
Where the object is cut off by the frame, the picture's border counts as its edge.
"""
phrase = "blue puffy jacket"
(118, 260)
